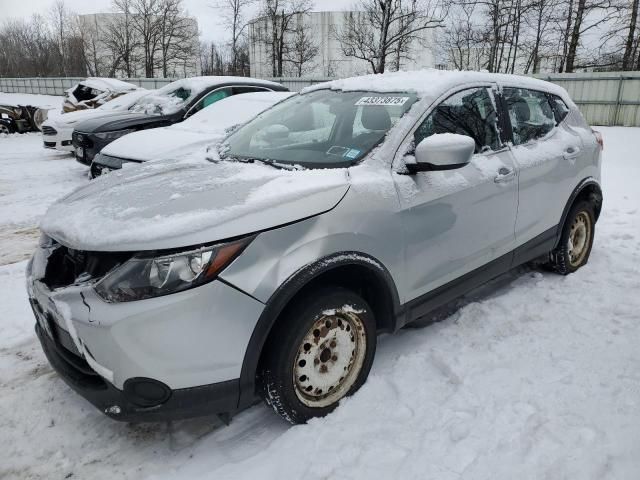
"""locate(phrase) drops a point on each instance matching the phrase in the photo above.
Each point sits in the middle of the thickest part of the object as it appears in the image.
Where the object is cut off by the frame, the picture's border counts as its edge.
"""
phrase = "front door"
(458, 220)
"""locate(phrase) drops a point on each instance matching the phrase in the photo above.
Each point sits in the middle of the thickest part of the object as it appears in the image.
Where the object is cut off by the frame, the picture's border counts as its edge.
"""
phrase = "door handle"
(571, 152)
(505, 175)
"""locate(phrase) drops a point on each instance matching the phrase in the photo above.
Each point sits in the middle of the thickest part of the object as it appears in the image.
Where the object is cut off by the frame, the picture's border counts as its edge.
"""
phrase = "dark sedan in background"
(170, 104)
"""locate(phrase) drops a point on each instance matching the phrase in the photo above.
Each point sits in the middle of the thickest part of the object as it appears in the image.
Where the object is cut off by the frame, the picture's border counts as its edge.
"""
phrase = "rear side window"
(560, 108)
(530, 113)
(210, 99)
(470, 112)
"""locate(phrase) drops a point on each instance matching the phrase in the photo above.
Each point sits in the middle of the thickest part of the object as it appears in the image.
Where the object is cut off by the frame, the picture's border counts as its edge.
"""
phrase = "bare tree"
(233, 18)
(302, 49)
(381, 27)
(277, 18)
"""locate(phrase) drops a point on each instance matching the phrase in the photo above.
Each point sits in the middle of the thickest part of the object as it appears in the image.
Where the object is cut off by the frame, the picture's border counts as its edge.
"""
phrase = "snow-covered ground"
(534, 376)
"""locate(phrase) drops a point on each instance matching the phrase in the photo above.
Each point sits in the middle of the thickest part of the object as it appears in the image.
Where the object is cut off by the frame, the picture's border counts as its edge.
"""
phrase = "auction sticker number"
(382, 101)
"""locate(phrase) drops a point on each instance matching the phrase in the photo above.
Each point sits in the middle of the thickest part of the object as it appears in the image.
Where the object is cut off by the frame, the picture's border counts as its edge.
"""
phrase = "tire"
(4, 129)
(576, 240)
(320, 336)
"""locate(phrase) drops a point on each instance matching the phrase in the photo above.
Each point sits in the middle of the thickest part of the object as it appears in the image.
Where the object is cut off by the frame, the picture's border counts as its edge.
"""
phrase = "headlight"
(113, 135)
(147, 276)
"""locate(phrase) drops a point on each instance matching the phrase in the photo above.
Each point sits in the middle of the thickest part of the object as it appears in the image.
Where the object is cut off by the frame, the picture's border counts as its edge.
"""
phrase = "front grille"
(66, 266)
(47, 130)
(81, 140)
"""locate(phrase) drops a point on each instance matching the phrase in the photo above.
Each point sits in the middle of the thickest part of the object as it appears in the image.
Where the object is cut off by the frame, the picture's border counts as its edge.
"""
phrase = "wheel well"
(366, 281)
(591, 193)
(361, 280)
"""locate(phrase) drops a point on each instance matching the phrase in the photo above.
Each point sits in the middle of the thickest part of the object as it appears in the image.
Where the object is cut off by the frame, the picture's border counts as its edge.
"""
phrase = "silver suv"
(269, 265)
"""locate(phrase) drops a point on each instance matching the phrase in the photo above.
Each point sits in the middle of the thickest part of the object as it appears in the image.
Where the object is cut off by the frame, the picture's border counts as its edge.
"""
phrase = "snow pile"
(40, 101)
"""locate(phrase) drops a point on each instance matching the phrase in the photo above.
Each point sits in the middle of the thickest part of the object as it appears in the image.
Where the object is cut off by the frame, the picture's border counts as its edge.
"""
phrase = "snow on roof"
(432, 82)
(108, 84)
(201, 83)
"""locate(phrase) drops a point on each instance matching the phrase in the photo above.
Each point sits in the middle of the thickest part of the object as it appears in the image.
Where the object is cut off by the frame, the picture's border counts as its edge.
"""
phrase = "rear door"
(545, 150)
(458, 220)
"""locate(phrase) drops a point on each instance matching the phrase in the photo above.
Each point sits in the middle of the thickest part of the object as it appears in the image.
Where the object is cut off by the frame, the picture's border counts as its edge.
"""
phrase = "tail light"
(599, 139)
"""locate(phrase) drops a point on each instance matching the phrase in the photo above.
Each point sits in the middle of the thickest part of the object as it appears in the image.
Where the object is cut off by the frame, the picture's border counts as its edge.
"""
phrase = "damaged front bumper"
(158, 359)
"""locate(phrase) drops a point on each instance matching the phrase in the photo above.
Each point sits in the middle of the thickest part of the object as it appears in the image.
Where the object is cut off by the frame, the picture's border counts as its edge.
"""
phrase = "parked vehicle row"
(268, 266)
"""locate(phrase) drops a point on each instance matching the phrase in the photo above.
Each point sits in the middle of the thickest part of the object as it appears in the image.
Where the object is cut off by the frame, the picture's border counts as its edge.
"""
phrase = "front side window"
(468, 112)
(323, 128)
(530, 113)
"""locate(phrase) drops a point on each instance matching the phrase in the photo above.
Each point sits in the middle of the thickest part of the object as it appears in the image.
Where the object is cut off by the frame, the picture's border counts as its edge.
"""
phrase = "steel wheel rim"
(329, 358)
(579, 238)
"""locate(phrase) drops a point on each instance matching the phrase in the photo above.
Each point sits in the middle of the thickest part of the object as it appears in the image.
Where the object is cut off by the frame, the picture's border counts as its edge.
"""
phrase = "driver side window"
(469, 112)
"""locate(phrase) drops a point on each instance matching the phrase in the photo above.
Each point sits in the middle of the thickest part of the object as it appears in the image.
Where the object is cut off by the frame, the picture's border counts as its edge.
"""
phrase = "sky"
(202, 10)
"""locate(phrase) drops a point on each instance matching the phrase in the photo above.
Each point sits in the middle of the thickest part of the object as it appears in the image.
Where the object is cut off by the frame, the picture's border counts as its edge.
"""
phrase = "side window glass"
(560, 108)
(210, 99)
(530, 113)
(470, 112)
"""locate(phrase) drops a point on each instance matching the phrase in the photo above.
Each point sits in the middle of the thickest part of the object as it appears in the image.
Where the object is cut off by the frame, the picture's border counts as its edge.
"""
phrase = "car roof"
(232, 110)
(200, 84)
(433, 83)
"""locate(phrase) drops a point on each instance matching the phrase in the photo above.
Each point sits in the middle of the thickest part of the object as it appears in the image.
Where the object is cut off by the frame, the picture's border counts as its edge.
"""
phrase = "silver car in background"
(180, 288)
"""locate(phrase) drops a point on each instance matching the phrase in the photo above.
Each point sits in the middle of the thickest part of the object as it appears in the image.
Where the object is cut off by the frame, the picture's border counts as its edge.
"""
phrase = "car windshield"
(167, 100)
(323, 128)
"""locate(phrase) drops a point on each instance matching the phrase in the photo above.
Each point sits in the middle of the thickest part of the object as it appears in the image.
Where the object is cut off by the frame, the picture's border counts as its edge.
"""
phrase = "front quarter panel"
(365, 221)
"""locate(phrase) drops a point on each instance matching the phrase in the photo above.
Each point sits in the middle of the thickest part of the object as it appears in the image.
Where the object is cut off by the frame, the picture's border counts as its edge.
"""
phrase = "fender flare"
(584, 184)
(286, 292)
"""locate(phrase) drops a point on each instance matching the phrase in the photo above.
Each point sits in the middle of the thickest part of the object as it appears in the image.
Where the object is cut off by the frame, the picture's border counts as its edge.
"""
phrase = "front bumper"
(191, 345)
(60, 140)
(215, 398)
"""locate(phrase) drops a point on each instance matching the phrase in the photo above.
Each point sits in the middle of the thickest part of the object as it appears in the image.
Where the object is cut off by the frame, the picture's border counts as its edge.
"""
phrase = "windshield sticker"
(352, 154)
(338, 151)
(382, 101)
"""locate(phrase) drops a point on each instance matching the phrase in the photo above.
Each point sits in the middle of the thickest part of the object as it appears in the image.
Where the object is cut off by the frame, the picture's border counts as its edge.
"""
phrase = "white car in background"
(57, 130)
(209, 125)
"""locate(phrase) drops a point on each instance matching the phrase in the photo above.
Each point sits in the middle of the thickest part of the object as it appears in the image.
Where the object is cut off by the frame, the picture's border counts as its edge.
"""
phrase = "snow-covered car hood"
(159, 143)
(170, 204)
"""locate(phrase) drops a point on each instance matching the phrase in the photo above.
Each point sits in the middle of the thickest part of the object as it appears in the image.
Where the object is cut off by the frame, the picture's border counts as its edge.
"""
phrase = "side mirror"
(443, 151)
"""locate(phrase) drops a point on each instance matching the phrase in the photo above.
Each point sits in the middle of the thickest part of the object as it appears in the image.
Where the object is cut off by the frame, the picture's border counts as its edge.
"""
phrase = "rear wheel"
(4, 129)
(576, 240)
(320, 352)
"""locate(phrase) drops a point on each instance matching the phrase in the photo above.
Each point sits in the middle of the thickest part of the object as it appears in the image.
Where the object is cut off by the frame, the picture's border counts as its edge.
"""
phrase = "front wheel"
(576, 240)
(320, 352)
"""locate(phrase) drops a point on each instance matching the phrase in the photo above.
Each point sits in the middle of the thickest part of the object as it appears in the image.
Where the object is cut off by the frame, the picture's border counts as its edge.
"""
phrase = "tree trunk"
(627, 59)
(565, 37)
(575, 37)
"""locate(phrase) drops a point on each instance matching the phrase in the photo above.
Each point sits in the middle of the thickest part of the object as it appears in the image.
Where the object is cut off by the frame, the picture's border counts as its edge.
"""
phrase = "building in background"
(319, 33)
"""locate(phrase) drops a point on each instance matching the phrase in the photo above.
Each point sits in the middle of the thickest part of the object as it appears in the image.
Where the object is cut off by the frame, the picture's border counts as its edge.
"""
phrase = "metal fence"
(57, 85)
(604, 98)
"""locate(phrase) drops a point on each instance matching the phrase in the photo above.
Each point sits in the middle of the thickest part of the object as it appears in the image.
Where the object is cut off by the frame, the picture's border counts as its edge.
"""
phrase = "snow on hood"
(431, 82)
(169, 204)
(160, 143)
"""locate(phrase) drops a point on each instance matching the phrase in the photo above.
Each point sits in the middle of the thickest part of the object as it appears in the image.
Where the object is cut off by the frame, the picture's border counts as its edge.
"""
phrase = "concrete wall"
(604, 98)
